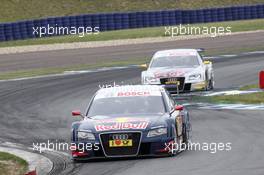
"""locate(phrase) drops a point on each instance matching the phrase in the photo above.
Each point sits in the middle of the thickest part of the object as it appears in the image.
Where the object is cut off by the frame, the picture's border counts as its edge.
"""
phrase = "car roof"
(175, 52)
(129, 91)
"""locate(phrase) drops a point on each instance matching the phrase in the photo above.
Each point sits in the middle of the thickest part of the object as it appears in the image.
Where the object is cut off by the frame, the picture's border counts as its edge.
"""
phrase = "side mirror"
(207, 62)
(178, 107)
(76, 113)
(200, 50)
(143, 66)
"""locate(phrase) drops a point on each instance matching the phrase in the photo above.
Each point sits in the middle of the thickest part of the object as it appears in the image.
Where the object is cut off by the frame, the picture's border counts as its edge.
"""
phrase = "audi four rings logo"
(120, 136)
(173, 79)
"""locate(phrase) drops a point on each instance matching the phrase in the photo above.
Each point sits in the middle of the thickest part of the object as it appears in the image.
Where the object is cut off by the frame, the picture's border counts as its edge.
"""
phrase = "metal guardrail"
(116, 21)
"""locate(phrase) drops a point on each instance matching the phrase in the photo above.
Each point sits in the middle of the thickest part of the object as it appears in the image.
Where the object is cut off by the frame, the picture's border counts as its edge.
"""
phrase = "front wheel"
(210, 84)
(175, 149)
(186, 135)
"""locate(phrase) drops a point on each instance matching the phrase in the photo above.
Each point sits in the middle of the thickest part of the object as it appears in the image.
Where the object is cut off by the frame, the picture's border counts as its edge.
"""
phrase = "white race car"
(179, 70)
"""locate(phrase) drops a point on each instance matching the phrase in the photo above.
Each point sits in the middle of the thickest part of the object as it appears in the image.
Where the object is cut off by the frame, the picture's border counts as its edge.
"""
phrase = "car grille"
(167, 81)
(121, 151)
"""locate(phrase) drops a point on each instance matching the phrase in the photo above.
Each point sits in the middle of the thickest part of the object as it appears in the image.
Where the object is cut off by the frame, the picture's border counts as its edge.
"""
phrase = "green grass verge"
(253, 98)
(248, 87)
(11, 164)
(236, 26)
(13, 10)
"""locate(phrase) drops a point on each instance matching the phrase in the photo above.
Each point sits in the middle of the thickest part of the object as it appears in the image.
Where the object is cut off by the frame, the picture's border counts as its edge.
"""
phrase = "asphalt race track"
(36, 110)
(70, 57)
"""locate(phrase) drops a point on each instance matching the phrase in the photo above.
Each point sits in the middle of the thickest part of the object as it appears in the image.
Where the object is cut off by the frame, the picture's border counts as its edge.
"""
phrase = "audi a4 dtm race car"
(130, 121)
(179, 70)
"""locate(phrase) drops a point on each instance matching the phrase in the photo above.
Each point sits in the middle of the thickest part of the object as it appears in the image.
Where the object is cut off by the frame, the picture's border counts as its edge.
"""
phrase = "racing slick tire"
(176, 142)
(186, 135)
(210, 85)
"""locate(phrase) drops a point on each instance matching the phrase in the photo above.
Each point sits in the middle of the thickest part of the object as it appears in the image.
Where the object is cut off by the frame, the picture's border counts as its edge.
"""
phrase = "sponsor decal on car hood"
(127, 93)
(174, 72)
(121, 124)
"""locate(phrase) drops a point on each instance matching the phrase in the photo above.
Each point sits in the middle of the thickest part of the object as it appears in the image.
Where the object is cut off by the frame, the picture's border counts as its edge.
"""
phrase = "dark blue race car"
(130, 121)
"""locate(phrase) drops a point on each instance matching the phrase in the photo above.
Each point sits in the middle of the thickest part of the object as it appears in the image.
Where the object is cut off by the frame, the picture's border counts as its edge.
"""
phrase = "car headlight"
(86, 135)
(151, 80)
(195, 77)
(157, 132)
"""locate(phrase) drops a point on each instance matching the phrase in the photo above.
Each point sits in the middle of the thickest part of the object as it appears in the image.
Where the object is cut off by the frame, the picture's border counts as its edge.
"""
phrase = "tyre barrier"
(130, 20)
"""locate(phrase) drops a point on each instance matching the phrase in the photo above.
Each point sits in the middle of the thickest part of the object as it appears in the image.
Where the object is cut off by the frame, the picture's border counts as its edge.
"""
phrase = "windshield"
(127, 105)
(175, 61)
